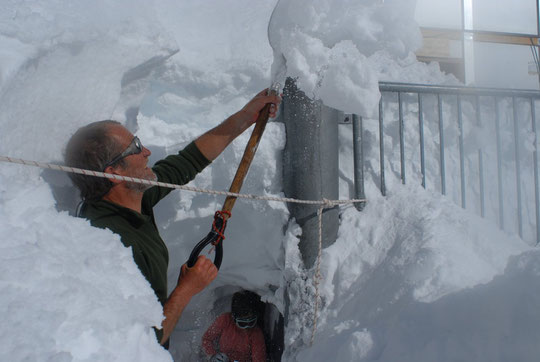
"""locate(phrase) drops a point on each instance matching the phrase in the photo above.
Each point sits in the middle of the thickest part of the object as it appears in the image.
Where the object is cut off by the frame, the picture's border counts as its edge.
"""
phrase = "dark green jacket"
(139, 231)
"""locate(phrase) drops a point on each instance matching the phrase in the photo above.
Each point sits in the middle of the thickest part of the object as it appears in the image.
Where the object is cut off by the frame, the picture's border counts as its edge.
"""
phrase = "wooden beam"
(482, 36)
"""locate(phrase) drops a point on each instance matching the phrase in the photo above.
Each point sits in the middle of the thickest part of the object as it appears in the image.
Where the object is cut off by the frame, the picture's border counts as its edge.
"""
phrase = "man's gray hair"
(90, 148)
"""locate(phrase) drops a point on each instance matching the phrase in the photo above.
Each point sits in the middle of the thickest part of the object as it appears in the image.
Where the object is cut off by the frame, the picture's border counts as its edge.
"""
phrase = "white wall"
(509, 16)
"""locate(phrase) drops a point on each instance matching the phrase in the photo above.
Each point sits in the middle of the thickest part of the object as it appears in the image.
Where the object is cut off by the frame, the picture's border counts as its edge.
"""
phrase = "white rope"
(323, 204)
(172, 186)
(318, 276)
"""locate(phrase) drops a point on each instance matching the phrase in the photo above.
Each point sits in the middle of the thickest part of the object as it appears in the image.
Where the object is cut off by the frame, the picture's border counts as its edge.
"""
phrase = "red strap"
(220, 214)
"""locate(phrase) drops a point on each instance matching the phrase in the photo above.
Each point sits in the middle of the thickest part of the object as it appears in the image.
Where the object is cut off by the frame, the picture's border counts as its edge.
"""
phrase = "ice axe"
(216, 234)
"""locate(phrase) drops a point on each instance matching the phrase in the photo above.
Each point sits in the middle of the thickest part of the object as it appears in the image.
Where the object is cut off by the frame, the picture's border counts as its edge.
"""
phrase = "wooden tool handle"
(249, 153)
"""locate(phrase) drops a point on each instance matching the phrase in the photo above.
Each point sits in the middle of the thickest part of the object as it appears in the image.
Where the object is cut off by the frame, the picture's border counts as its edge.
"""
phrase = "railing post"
(381, 146)
(401, 139)
(421, 133)
(358, 161)
(480, 163)
(441, 145)
(461, 153)
(535, 168)
(518, 167)
(499, 162)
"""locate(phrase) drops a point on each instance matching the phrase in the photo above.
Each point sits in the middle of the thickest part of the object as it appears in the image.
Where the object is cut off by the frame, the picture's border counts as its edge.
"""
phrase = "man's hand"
(213, 142)
(250, 112)
(190, 282)
(196, 278)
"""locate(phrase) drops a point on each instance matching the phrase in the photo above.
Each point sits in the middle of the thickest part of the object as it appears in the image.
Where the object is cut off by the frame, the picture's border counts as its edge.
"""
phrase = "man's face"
(136, 165)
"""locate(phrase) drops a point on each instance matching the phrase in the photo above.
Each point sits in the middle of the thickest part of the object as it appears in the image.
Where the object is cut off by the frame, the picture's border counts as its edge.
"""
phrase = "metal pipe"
(467, 40)
(480, 163)
(535, 167)
(518, 167)
(441, 145)
(310, 166)
(471, 91)
(401, 139)
(421, 132)
(482, 32)
(381, 146)
(537, 20)
(358, 161)
(461, 153)
(499, 162)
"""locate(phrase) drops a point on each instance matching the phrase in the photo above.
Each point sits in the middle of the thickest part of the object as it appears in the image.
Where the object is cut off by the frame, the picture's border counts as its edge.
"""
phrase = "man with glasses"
(126, 207)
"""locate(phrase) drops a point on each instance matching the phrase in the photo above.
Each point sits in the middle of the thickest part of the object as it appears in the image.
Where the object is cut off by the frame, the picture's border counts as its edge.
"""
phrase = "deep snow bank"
(402, 255)
(65, 65)
(69, 291)
(496, 321)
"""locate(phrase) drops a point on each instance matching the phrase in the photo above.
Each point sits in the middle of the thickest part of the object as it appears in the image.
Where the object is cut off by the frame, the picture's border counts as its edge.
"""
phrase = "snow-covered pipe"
(310, 166)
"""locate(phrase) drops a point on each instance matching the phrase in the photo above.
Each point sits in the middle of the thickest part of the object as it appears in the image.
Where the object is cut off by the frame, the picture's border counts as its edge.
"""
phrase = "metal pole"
(537, 35)
(464, 91)
(358, 161)
(463, 41)
(467, 40)
(537, 20)
(421, 132)
(381, 146)
(480, 163)
(441, 144)
(535, 167)
(461, 153)
(499, 162)
(518, 167)
(401, 139)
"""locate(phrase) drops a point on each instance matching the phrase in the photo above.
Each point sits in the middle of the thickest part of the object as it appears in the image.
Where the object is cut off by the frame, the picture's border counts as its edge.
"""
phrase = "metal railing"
(464, 146)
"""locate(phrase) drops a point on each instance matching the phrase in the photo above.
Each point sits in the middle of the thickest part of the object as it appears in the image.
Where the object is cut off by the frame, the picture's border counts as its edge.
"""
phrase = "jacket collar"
(98, 209)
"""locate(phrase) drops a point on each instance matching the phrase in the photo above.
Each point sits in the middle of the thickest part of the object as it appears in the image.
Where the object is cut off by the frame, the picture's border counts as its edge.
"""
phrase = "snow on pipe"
(310, 166)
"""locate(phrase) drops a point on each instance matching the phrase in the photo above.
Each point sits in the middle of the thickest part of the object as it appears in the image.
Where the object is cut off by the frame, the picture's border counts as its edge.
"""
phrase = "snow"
(413, 277)
(57, 302)
(339, 50)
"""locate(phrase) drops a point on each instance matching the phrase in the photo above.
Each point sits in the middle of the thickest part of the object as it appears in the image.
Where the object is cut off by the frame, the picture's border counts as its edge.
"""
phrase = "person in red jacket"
(235, 336)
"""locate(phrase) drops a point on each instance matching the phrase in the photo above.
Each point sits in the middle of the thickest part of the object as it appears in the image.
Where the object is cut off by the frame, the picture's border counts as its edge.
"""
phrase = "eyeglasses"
(244, 323)
(134, 148)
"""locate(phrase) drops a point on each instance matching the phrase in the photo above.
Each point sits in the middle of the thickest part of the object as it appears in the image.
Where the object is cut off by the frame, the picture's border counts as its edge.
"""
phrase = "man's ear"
(114, 171)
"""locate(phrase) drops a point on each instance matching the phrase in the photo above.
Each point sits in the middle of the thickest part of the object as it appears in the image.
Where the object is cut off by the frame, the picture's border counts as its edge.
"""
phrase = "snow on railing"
(480, 144)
